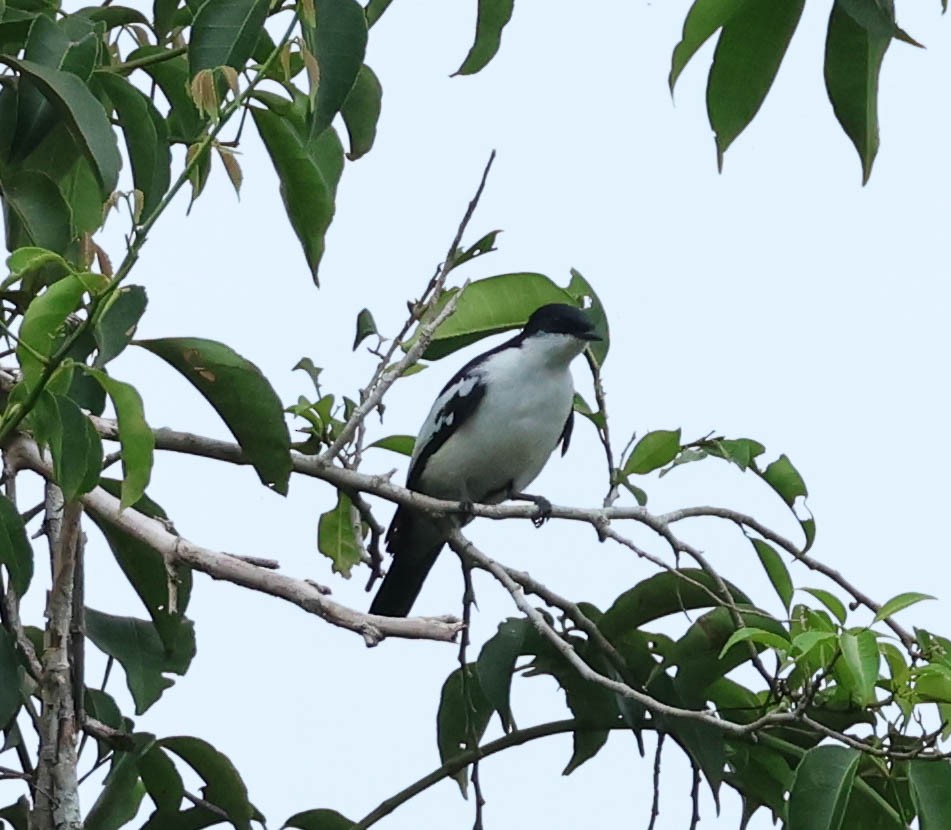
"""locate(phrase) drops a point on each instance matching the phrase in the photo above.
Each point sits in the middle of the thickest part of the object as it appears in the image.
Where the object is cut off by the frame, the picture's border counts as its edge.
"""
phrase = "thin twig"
(386, 374)
(695, 798)
(655, 802)
(464, 759)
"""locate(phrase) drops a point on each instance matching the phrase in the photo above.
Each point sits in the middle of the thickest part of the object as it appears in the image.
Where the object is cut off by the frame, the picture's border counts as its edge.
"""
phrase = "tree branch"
(464, 759)
(465, 548)
(386, 375)
(179, 551)
(56, 804)
(597, 517)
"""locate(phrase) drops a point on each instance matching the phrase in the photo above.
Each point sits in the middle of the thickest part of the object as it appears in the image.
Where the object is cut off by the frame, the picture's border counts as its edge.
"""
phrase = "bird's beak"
(590, 336)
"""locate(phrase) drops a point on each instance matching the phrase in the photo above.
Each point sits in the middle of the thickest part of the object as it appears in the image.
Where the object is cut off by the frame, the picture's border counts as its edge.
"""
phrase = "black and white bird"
(489, 434)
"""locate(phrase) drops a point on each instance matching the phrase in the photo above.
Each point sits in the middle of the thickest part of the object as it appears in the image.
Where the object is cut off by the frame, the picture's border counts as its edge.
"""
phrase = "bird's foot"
(543, 505)
(467, 510)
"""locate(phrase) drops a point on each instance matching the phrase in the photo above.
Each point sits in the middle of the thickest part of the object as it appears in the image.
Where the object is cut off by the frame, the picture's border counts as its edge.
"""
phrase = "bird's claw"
(544, 511)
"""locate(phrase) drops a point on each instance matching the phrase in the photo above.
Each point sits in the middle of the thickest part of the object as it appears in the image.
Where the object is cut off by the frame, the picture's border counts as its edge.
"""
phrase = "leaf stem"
(147, 60)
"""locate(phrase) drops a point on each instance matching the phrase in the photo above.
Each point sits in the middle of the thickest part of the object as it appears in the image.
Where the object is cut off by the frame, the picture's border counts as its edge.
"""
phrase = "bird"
(488, 435)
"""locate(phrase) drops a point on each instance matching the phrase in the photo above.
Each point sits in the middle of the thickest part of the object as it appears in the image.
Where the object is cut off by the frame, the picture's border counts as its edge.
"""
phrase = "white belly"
(508, 440)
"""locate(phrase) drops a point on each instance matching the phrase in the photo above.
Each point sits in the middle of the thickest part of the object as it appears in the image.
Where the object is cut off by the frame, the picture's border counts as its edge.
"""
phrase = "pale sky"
(779, 301)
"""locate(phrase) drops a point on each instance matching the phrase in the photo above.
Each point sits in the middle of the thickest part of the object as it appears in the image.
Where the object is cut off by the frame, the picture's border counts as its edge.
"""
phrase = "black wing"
(453, 412)
(565, 438)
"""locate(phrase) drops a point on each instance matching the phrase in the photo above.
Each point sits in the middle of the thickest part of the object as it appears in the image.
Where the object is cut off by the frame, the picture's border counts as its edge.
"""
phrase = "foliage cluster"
(830, 735)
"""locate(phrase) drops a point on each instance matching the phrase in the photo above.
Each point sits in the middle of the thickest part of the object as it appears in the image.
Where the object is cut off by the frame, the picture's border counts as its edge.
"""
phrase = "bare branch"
(599, 518)
(386, 374)
(179, 551)
(464, 759)
(465, 548)
(655, 802)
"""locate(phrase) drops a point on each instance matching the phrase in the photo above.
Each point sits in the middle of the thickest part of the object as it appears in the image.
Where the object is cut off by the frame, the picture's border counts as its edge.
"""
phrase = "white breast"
(517, 425)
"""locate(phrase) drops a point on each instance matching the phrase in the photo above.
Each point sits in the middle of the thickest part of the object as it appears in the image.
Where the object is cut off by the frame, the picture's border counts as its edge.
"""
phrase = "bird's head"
(559, 318)
(559, 332)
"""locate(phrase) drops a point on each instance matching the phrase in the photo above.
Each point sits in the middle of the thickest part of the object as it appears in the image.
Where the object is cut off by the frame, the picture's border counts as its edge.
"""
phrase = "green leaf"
(402, 444)
(878, 16)
(185, 122)
(146, 139)
(585, 296)
(17, 814)
(821, 788)
(162, 781)
(305, 364)
(582, 407)
(701, 656)
(785, 480)
(336, 538)
(809, 529)
(464, 713)
(933, 683)
(656, 449)
(860, 658)
(740, 451)
(16, 554)
(37, 206)
(375, 9)
(318, 820)
(83, 114)
(776, 570)
(77, 185)
(361, 112)
(339, 44)
(194, 818)
(853, 62)
(762, 776)
(491, 306)
(135, 436)
(224, 33)
(121, 795)
(10, 677)
(241, 395)
(897, 603)
(704, 18)
(669, 592)
(136, 645)
(145, 569)
(74, 444)
(51, 45)
(479, 248)
(808, 640)
(35, 268)
(307, 187)
(493, 15)
(685, 456)
(366, 326)
(830, 601)
(930, 784)
(223, 785)
(751, 47)
(756, 635)
(44, 317)
(115, 325)
(114, 16)
(496, 665)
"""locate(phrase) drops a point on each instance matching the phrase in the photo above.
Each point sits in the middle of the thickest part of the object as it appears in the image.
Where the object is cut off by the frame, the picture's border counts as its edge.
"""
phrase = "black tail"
(415, 542)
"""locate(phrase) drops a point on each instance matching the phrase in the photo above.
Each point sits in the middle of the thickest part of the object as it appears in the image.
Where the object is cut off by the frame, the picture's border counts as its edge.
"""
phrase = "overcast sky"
(780, 301)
